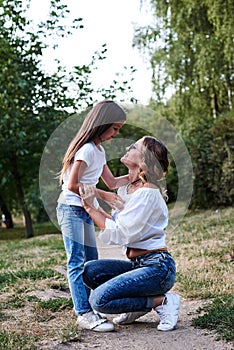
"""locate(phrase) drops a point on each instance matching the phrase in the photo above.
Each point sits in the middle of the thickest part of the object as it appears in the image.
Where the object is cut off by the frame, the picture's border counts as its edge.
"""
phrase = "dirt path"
(143, 334)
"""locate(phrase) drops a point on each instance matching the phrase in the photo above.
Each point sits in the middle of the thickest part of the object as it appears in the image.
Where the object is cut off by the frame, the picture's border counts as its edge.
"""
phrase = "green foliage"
(30, 105)
(212, 152)
(33, 103)
(221, 160)
(191, 52)
(218, 316)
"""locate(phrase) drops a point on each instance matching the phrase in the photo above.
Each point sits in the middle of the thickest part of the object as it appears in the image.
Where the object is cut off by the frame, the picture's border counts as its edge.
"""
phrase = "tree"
(6, 213)
(191, 50)
(33, 102)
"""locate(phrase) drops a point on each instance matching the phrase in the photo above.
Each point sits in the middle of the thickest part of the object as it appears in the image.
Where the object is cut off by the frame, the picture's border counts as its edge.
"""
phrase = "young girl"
(84, 163)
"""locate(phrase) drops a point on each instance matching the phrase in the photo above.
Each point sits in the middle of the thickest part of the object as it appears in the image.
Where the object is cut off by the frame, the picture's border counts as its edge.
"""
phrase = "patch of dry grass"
(204, 253)
(202, 246)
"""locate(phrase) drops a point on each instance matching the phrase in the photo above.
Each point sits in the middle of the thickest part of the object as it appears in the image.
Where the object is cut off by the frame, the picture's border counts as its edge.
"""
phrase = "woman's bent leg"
(131, 291)
(101, 271)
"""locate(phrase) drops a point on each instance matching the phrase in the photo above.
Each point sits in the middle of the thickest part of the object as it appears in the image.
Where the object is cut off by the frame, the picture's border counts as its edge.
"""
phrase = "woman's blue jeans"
(127, 286)
(80, 244)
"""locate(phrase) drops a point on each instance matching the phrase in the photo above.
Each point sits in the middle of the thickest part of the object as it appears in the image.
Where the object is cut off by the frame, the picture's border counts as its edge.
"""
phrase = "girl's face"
(111, 132)
(133, 156)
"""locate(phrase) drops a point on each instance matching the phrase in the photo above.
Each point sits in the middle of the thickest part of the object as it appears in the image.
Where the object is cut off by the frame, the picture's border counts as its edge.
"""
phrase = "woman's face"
(133, 155)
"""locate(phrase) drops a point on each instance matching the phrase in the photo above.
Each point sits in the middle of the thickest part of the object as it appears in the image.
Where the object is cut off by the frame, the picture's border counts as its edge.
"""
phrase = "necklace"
(131, 185)
(135, 182)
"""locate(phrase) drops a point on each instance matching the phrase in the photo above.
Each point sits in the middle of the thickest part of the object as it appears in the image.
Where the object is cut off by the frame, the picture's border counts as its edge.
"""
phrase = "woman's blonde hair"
(154, 162)
(98, 120)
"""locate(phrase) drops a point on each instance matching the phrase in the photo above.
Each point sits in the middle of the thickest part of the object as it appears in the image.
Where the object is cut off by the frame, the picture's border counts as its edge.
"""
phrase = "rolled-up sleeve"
(134, 221)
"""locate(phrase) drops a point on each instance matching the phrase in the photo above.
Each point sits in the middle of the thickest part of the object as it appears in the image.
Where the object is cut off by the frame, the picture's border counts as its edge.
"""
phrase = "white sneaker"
(95, 322)
(129, 317)
(100, 314)
(168, 312)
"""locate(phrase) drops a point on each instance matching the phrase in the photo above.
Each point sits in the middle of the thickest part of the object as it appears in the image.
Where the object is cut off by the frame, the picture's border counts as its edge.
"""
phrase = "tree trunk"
(20, 192)
(5, 211)
(229, 92)
(28, 221)
(214, 105)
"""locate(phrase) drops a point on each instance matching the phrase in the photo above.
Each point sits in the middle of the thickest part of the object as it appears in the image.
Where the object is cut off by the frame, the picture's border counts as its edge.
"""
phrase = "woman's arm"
(101, 210)
(111, 198)
(97, 216)
(132, 221)
(139, 216)
(111, 181)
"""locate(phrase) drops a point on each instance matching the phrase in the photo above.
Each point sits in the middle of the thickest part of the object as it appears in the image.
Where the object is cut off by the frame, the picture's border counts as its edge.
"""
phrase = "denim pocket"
(81, 214)
(77, 211)
(60, 215)
(151, 259)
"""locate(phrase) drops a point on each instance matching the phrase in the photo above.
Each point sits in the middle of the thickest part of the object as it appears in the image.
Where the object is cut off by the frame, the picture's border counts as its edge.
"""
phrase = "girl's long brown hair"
(98, 120)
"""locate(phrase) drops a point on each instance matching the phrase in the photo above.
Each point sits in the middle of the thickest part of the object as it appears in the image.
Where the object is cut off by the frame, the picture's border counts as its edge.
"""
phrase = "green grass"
(218, 316)
(18, 232)
(7, 279)
(55, 304)
(12, 341)
(202, 246)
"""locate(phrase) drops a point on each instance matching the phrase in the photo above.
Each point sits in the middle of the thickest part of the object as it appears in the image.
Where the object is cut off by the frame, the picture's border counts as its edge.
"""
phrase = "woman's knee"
(96, 301)
(88, 273)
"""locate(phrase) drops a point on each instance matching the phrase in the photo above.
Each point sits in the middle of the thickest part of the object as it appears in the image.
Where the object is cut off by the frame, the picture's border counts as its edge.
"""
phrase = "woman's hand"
(88, 193)
(112, 199)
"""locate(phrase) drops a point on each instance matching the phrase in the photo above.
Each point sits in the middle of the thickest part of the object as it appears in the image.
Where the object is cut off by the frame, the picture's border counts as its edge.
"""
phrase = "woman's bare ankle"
(158, 300)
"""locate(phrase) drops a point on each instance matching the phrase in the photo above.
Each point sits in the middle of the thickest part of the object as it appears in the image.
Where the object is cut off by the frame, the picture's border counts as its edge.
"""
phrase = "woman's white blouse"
(141, 223)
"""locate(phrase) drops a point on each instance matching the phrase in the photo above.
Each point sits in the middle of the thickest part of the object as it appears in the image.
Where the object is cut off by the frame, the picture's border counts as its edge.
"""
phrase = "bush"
(221, 160)
(212, 151)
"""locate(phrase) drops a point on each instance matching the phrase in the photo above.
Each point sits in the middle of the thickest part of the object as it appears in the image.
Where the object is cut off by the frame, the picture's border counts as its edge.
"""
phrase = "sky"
(109, 22)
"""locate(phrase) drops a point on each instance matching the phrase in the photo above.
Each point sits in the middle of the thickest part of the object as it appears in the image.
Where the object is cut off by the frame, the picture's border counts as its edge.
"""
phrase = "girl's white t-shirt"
(95, 159)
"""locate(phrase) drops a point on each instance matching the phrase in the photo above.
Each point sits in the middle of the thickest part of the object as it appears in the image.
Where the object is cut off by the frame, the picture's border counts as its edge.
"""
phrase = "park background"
(187, 52)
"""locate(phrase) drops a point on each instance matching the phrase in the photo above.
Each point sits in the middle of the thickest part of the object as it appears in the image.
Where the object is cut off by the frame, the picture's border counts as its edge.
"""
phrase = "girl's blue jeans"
(80, 244)
(127, 286)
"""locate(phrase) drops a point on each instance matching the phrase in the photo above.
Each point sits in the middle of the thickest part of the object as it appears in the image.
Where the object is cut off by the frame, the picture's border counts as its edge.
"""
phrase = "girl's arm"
(111, 198)
(77, 171)
(111, 181)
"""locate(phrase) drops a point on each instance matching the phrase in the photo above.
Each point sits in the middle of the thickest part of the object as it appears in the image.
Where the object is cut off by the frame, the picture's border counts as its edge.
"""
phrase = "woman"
(140, 284)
